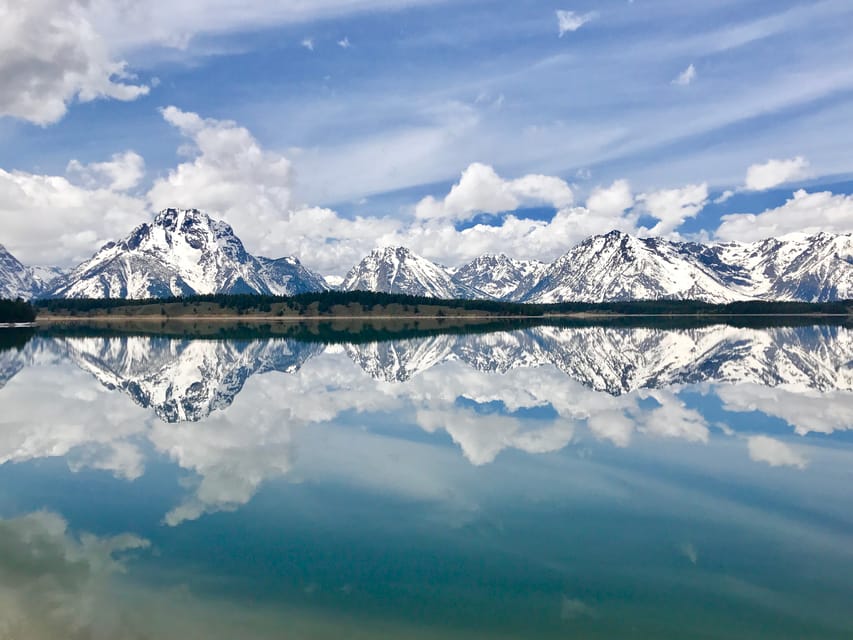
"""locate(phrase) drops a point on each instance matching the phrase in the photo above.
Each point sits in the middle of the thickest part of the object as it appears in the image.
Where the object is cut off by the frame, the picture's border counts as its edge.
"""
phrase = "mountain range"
(185, 252)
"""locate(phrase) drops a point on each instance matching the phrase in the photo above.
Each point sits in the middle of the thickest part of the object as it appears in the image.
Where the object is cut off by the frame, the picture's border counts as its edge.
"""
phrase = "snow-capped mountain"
(16, 280)
(183, 252)
(500, 277)
(794, 267)
(617, 266)
(399, 270)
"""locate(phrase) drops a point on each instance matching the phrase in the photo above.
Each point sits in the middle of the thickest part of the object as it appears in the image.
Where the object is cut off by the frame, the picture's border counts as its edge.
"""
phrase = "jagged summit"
(399, 270)
(20, 281)
(16, 280)
(500, 277)
(183, 252)
(619, 266)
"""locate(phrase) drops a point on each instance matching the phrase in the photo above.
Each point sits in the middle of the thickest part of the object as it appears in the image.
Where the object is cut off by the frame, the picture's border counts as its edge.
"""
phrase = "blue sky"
(375, 105)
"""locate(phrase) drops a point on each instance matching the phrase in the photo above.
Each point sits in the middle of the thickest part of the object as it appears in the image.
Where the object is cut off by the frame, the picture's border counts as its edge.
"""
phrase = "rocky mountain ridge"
(185, 252)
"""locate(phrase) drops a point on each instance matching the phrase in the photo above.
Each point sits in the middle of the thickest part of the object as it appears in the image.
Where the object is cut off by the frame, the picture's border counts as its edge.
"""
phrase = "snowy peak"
(499, 276)
(16, 280)
(795, 267)
(183, 252)
(399, 270)
(617, 266)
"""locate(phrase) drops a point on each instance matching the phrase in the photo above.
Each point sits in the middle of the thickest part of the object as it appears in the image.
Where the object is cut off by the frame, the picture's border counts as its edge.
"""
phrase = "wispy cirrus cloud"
(686, 77)
(571, 21)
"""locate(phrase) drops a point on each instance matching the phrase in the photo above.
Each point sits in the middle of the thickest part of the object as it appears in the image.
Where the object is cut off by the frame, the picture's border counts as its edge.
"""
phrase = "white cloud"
(612, 200)
(775, 452)
(230, 176)
(804, 212)
(308, 43)
(481, 189)
(570, 21)
(49, 220)
(760, 177)
(50, 55)
(344, 43)
(122, 172)
(671, 207)
(686, 77)
(725, 196)
(326, 241)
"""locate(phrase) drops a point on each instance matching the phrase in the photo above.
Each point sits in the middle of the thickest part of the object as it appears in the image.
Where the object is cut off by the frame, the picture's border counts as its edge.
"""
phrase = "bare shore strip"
(581, 315)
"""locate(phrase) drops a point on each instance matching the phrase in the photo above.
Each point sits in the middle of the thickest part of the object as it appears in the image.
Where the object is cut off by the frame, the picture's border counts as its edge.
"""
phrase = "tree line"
(16, 311)
(323, 303)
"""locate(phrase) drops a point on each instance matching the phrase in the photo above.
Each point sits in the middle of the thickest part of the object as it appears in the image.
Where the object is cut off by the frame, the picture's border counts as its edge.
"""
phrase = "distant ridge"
(185, 252)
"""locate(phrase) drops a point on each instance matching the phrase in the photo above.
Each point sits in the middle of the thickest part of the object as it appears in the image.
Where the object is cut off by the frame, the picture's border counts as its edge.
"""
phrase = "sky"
(326, 128)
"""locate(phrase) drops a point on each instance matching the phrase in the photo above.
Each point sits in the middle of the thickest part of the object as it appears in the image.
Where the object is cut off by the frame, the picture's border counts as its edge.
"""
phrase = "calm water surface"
(545, 482)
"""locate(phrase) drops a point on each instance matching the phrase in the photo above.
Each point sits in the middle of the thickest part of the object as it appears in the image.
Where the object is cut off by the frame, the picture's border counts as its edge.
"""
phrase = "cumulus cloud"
(50, 220)
(344, 43)
(686, 77)
(760, 177)
(50, 55)
(671, 207)
(482, 190)
(612, 200)
(308, 43)
(570, 21)
(122, 172)
(804, 212)
(775, 452)
(229, 175)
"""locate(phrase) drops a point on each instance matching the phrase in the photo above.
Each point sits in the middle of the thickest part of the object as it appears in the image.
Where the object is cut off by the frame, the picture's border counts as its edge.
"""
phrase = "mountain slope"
(16, 280)
(617, 266)
(183, 252)
(398, 270)
(813, 268)
(500, 277)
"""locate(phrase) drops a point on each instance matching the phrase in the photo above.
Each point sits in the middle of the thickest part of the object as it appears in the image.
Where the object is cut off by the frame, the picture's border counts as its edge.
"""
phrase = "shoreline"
(296, 319)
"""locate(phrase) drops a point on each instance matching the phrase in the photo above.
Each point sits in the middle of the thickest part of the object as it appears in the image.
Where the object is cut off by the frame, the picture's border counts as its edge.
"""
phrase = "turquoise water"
(544, 482)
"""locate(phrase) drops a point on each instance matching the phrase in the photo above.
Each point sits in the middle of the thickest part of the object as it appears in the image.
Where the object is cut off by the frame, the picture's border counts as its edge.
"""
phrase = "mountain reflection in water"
(546, 481)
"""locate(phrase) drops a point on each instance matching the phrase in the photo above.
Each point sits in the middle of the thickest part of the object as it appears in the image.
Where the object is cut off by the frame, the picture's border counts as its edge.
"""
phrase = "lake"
(533, 482)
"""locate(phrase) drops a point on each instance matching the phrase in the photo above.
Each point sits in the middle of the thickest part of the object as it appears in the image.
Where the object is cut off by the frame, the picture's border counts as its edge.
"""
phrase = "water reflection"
(367, 485)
